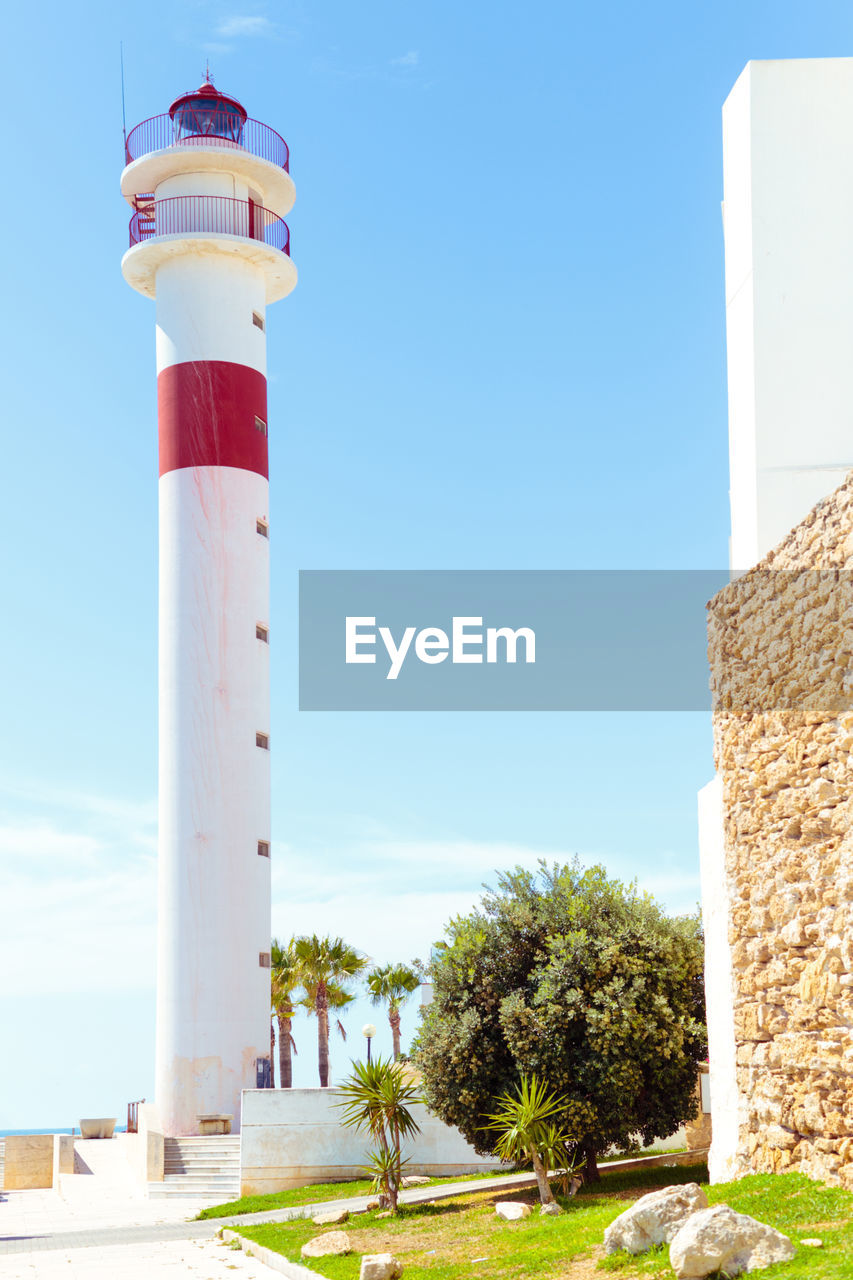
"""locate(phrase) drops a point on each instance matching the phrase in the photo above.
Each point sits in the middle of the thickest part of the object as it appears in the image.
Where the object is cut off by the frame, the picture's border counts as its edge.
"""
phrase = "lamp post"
(368, 1031)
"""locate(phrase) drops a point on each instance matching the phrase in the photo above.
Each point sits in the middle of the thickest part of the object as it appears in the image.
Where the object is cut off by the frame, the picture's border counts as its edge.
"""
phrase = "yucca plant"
(376, 1100)
(525, 1122)
(560, 1153)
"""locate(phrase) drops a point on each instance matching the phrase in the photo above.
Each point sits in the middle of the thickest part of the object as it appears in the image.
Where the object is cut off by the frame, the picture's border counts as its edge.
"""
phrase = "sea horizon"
(17, 1133)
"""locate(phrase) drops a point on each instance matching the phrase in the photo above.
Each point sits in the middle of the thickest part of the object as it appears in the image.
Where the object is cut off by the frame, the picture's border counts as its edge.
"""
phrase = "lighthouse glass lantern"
(209, 189)
(207, 114)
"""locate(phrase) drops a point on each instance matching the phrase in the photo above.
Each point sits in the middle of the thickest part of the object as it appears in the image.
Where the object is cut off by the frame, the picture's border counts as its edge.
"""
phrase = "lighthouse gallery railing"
(182, 215)
(159, 132)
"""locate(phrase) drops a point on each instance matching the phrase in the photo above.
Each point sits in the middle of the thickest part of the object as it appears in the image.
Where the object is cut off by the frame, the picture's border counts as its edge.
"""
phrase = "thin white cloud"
(248, 25)
(79, 891)
(34, 846)
(410, 59)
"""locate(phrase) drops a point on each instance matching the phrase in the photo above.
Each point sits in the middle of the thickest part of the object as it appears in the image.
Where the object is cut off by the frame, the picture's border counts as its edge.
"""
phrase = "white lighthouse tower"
(209, 188)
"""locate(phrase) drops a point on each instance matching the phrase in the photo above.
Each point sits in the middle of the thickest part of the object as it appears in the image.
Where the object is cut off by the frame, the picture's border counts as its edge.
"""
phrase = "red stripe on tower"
(212, 414)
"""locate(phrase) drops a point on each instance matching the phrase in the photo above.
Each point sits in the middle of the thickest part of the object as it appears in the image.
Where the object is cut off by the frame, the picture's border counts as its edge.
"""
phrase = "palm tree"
(326, 965)
(392, 984)
(285, 979)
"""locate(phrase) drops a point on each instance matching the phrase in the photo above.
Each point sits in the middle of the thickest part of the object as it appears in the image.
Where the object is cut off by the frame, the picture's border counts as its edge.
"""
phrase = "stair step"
(199, 1188)
(179, 1165)
(200, 1168)
(232, 1162)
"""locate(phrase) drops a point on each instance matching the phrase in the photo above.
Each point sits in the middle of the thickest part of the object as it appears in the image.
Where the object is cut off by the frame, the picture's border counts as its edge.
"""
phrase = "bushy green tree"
(580, 980)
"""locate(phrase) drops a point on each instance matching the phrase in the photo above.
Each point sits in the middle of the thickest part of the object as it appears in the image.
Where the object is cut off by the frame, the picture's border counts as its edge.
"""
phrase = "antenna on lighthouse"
(123, 116)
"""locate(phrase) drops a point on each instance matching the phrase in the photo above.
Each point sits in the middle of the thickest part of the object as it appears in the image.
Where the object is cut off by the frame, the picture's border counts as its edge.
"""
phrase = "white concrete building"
(787, 218)
(209, 188)
(787, 215)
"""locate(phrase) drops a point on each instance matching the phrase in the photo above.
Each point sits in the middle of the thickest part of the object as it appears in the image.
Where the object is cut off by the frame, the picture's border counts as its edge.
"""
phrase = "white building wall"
(213, 997)
(787, 215)
(719, 984)
(214, 889)
(294, 1137)
(204, 311)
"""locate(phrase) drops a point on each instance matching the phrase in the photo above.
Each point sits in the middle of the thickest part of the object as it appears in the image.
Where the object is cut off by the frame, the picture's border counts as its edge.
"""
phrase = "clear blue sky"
(506, 350)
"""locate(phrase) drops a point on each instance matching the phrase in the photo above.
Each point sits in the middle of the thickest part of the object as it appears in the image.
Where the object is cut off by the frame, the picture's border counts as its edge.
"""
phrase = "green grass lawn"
(315, 1194)
(321, 1191)
(463, 1235)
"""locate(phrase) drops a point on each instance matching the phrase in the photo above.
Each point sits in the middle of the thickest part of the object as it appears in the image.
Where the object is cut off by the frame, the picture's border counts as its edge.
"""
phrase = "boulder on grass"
(551, 1209)
(415, 1180)
(654, 1219)
(380, 1266)
(512, 1210)
(333, 1242)
(329, 1219)
(718, 1238)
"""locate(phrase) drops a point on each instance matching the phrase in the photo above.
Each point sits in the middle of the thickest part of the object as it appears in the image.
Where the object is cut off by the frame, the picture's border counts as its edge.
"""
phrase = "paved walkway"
(78, 1236)
(96, 1231)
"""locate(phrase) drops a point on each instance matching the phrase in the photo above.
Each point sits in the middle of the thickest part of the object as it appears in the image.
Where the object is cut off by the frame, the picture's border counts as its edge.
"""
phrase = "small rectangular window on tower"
(264, 959)
(260, 425)
(263, 528)
(262, 740)
(258, 321)
(263, 848)
(262, 633)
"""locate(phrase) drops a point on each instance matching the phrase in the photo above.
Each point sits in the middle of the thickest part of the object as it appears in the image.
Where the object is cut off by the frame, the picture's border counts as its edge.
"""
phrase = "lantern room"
(207, 114)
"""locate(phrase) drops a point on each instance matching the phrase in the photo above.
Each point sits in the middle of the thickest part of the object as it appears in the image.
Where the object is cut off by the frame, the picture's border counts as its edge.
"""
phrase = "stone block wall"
(781, 654)
(29, 1161)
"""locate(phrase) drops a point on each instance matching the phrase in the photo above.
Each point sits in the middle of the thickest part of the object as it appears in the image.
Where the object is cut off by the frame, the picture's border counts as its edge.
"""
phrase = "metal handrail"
(183, 215)
(133, 1116)
(160, 132)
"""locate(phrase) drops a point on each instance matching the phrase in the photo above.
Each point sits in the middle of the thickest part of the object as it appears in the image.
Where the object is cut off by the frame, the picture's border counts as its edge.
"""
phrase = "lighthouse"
(209, 188)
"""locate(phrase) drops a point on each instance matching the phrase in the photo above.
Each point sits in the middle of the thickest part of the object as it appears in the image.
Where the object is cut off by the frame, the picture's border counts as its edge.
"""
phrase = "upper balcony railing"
(184, 215)
(160, 132)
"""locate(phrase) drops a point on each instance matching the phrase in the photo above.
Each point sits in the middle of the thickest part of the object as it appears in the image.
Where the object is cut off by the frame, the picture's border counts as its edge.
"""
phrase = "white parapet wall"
(294, 1137)
(145, 1149)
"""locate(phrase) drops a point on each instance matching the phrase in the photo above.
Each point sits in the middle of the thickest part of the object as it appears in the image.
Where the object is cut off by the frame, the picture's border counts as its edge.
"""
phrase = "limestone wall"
(781, 654)
(29, 1161)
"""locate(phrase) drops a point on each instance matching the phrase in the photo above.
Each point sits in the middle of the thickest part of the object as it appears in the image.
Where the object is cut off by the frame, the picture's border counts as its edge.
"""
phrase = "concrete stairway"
(200, 1169)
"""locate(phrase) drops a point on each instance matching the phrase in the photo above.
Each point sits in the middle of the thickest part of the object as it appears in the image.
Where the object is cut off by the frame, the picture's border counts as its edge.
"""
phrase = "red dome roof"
(207, 93)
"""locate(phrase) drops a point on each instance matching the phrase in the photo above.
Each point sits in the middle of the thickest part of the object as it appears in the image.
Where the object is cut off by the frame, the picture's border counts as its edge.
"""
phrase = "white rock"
(329, 1219)
(720, 1238)
(415, 1180)
(813, 1242)
(654, 1219)
(551, 1209)
(512, 1210)
(331, 1242)
(380, 1266)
